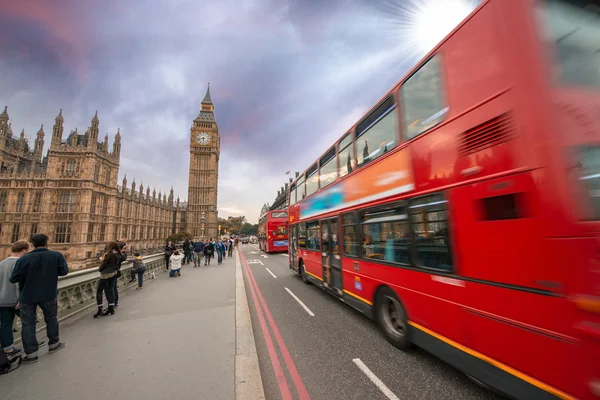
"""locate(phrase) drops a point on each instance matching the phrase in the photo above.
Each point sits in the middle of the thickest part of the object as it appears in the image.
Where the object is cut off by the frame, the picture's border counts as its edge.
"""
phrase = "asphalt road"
(329, 348)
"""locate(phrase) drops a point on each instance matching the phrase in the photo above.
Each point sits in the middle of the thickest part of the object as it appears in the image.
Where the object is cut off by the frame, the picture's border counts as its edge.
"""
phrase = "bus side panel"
(428, 299)
(511, 271)
(312, 262)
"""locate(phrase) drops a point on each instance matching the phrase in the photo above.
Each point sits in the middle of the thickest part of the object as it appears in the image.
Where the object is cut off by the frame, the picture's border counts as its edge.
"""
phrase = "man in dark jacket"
(37, 275)
(169, 249)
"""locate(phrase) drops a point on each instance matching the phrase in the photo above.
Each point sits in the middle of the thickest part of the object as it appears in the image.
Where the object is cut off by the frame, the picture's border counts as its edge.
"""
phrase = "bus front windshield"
(572, 28)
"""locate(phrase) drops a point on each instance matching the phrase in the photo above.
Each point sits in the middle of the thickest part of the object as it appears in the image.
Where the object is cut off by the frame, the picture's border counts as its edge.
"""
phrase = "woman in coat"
(108, 274)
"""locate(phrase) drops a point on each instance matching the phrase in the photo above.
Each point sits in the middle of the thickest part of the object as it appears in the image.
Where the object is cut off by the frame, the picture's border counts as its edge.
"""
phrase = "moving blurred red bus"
(462, 211)
(272, 231)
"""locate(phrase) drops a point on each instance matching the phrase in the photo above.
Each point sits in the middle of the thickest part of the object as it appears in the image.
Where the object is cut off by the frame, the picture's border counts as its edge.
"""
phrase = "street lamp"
(203, 219)
(219, 230)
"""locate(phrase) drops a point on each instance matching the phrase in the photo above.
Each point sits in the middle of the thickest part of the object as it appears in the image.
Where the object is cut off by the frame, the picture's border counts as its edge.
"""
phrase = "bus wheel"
(303, 273)
(392, 318)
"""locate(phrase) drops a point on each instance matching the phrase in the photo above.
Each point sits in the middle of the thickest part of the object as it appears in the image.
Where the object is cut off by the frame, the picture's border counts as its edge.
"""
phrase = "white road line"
(285, 255)
(301, 303)
(384, 389)
(272, 274)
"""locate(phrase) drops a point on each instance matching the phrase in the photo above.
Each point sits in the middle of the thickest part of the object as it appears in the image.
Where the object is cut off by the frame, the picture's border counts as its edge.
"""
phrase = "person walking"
(209, 249)
(37, 274)
(169, 249)
(139, 268)
(9, 298)
(220, 251)
(187, 252)
(108, 275)
(230, 248)
(198, 250)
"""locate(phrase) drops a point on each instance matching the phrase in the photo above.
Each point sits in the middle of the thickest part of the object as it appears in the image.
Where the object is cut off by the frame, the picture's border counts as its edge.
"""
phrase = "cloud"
(288, 77)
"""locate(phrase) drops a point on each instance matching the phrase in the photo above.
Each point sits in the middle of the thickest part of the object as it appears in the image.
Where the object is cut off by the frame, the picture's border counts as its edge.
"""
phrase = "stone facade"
(71, 194)
(205, 147)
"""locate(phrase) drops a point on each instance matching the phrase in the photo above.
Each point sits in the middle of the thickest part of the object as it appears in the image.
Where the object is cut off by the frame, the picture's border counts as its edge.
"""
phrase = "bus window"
(292, 199)
(429, 217)
(378, 133)
(571, 28)
(328, 168)
(313, 239)
(424, 103)
(351, 241)
(312, 180)
(302, 235)
(346, 158)
(386, 234)
(300, 189)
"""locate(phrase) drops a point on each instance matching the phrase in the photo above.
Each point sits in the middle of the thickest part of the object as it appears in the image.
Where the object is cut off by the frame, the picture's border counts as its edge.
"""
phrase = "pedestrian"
(9, 298)
(169, 249)
(187, 252)
(209, 249)
(176, 259)
(198, 249)
(139, 268)
(123, 247)
(37, 274)
(230, 248)
(220, 251)
(108, 275)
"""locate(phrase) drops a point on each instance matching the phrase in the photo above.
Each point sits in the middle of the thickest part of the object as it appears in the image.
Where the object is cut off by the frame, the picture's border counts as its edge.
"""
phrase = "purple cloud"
(288, 77)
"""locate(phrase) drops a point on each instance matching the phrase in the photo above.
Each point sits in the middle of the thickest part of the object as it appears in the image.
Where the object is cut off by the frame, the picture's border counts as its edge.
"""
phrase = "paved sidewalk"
(175, 339)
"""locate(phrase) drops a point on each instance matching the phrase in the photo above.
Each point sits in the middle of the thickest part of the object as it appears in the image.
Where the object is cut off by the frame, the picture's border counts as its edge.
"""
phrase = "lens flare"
(420, 25)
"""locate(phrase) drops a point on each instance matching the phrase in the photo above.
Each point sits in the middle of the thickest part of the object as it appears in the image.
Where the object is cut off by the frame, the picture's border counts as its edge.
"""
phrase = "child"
(176, 258)
(138, 268)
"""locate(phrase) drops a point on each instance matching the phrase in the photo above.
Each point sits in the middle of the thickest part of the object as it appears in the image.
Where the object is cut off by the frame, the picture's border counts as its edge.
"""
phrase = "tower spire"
(207, 99)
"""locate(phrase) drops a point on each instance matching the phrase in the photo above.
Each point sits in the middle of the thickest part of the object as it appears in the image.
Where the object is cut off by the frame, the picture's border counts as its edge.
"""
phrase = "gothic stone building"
(71, 194)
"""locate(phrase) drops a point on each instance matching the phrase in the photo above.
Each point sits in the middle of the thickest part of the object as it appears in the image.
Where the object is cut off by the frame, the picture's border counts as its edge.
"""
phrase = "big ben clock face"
(203, 138)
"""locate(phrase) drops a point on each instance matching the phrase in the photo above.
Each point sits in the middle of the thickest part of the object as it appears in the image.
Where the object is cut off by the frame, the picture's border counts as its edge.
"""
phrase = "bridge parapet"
(77, 290)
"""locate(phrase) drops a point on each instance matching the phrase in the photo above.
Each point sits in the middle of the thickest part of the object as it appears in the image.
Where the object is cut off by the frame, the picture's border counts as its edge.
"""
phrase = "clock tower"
(205, 145)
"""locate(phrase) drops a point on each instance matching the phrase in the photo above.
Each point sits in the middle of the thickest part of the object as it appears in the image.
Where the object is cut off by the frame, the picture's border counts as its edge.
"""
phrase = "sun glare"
(434, 19)
(422, 24)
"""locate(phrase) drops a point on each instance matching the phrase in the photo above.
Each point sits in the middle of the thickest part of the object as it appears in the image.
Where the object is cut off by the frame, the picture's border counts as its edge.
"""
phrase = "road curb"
(248, 381)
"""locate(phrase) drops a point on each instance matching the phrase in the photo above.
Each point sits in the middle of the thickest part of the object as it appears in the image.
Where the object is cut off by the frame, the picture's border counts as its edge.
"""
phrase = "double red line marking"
(259, 301)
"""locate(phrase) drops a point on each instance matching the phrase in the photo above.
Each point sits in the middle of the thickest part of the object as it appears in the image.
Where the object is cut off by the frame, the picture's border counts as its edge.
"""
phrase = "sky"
(287, 78)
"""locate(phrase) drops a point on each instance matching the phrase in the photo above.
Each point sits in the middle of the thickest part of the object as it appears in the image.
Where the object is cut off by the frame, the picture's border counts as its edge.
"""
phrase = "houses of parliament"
(72, 195)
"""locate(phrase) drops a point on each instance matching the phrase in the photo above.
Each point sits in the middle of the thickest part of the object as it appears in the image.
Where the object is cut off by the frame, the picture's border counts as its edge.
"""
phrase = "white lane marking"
(269, 271)
(384, 389)
(264, 255)
(255, 262)
(285, 255)
(301, 303)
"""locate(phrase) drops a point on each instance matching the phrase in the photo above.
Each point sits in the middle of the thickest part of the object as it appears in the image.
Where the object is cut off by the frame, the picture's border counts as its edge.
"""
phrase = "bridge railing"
(77, 290)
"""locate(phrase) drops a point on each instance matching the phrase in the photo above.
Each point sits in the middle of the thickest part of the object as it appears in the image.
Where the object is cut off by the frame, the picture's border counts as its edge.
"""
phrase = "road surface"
(317, 347)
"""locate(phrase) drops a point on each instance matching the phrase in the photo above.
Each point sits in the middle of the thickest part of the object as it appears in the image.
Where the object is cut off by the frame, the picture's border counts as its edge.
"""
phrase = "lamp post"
(203, 219)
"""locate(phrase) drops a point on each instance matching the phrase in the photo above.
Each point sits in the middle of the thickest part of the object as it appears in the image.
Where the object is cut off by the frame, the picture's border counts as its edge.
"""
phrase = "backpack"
(9, 363)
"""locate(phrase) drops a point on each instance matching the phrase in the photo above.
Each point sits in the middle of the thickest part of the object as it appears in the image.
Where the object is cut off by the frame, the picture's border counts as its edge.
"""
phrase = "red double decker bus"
(462, 212)
(273, 232)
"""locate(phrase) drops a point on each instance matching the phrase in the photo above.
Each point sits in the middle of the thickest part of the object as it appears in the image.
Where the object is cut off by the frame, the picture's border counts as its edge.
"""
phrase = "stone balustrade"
(77, 290)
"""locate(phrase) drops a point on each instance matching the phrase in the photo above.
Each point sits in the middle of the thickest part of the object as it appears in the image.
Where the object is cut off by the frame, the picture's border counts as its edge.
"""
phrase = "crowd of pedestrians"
(196, 251)
(29, 279)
